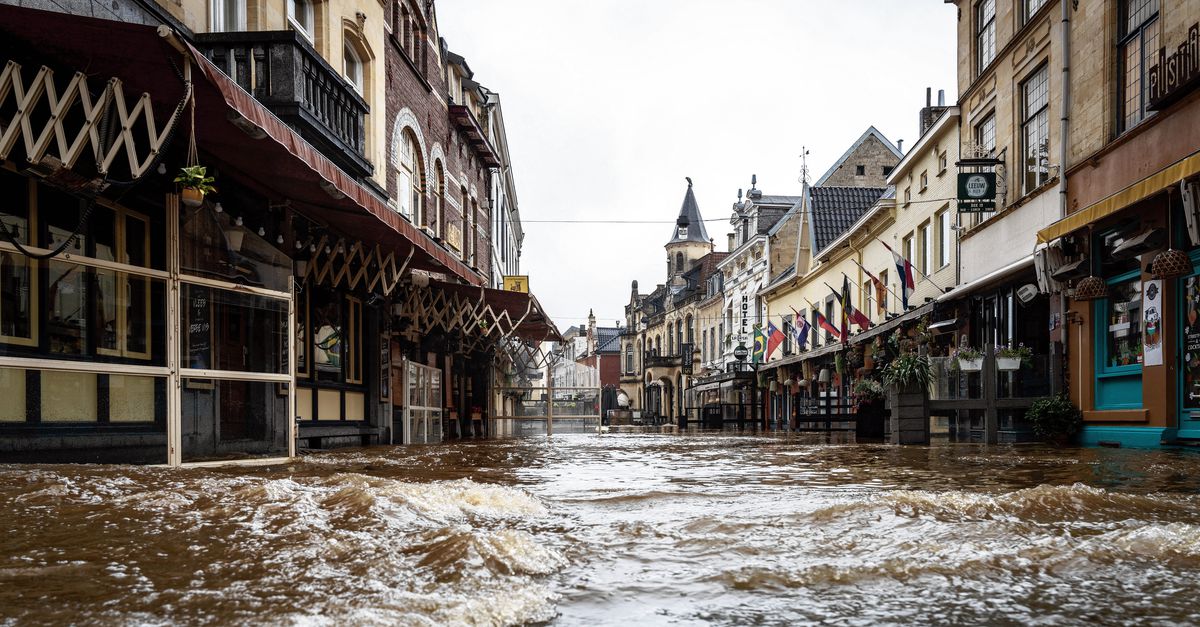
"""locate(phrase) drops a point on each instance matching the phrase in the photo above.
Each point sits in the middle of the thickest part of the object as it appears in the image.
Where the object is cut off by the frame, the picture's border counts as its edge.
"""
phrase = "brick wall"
(422, 91)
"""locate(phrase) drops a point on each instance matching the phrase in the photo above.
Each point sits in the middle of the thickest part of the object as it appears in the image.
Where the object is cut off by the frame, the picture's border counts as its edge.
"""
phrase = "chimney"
(900, 145)
(930, 113)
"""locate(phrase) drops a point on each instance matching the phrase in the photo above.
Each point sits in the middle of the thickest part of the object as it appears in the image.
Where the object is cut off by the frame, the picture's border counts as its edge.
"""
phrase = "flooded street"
(588, 530)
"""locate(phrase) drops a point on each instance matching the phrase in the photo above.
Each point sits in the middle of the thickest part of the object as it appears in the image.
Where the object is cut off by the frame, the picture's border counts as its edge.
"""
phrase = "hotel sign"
(976, 191)
(1175, 74)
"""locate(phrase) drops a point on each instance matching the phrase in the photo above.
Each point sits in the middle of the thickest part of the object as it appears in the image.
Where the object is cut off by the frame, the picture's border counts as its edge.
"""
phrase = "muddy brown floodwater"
(612, 530)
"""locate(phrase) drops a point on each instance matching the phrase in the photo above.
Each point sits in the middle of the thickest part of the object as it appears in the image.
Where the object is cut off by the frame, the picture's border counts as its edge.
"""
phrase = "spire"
(690, 226)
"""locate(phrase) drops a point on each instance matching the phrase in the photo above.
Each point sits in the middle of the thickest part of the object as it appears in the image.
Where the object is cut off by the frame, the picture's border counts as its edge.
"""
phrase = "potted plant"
(1054, 419)
(1009, 358)
(195, 183)
(967, 359)
(867, 392)
(908, 372)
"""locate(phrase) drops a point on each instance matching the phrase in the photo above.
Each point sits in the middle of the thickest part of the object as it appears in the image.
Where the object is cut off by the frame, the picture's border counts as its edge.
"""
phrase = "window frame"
(985, 28)
(309, 15)
(1038, 120)
(1125, 37)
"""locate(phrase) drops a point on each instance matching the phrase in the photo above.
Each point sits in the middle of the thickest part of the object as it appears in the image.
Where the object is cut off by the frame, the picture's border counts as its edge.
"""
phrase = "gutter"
(1064, 137)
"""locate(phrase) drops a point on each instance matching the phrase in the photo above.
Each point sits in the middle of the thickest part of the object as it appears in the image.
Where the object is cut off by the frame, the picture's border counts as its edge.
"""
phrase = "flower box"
(1008, 364)
(970, 365)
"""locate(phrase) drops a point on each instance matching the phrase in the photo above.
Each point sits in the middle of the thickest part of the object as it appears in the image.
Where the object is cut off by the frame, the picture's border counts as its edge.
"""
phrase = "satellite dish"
(1026, 293)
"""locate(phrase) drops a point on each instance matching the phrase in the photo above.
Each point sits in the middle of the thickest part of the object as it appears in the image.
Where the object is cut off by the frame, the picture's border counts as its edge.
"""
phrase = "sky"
(609, 104)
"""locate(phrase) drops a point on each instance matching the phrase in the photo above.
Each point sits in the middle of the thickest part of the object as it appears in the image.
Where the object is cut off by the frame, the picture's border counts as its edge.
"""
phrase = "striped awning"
(1141, 190)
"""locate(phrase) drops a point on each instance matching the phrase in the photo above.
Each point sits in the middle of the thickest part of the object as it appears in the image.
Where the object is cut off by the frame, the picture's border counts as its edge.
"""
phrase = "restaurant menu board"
(199, 329)
(1152, 350)
(1191, 343)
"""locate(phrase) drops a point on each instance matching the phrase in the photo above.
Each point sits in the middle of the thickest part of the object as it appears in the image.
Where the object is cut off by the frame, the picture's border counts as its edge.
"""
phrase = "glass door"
(1189, 372)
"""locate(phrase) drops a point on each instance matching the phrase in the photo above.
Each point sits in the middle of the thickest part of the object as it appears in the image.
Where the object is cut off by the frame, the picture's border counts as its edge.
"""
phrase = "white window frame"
(300, 13)
(219, 18)
(353, 69)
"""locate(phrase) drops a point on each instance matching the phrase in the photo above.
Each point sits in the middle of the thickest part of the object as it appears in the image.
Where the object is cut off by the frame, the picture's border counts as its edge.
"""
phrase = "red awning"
(281, 165)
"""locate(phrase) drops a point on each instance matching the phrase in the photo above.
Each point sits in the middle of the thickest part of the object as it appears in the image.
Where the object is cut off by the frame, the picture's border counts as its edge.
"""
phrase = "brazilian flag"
(760, 346)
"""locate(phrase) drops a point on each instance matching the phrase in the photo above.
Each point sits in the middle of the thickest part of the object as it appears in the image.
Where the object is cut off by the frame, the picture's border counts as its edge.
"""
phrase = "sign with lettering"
(976, 191)
(517, 283)
(686, 353)
(199, 328)
(1176, 73)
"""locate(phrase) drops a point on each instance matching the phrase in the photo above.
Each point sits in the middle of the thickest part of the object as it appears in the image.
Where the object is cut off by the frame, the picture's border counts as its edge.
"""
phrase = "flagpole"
(911, 264)
(881, 282)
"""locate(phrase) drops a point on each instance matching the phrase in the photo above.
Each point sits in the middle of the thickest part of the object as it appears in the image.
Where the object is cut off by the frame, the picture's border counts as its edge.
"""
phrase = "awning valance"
(1141, 190)
(512, 313)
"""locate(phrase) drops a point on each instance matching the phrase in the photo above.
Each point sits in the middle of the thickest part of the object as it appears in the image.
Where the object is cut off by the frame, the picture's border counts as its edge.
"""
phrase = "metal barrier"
(528, 411)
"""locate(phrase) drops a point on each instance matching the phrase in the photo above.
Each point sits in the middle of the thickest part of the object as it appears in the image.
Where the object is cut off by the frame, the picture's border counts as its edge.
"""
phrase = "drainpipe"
(1063, 142)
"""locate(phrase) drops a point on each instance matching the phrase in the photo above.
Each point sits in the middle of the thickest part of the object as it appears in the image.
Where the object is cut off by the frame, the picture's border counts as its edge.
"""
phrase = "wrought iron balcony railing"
(663, 361)
(283, 72)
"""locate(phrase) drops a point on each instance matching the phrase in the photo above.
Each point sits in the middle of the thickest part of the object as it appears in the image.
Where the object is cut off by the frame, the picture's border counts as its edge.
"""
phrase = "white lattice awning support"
(482, 317)
(57, 129)
(352, 264)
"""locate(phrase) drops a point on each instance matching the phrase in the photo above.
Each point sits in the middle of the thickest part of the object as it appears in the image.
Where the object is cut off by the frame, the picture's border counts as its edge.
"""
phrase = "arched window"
(638, 356)
(628, 358)
(353, 66)
(439, 199)
(678, 262)
(678, 336)
(303, 18)
(691, 333)
(410, 178)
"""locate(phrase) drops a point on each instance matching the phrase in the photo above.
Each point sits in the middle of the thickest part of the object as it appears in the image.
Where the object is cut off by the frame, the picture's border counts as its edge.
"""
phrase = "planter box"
(1008, 364)
(970, 365)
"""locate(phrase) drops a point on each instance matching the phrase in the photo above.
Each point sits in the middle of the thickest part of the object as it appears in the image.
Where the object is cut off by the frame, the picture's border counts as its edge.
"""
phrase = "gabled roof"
(689, 212)
(836, 209)
(870, 132)
(608, 339)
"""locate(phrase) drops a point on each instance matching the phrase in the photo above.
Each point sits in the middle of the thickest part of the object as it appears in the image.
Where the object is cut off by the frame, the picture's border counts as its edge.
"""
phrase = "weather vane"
(803, 165)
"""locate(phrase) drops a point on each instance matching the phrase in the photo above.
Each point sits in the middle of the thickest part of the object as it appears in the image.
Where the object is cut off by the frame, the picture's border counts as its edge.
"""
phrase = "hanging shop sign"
(1175, 74)
(1152, 348)
(517, 283)
(685, 352)
(976, 192)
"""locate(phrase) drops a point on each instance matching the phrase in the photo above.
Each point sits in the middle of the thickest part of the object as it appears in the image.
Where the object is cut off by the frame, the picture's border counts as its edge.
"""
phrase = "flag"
(775, 337)
(760, 346)
(904, 272)
(859, 318)
(846, 307)
(801, 332)
(823, 322)
(880, 291)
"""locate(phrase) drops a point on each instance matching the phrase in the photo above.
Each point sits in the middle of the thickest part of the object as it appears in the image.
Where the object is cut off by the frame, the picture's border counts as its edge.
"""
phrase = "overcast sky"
(609, 104)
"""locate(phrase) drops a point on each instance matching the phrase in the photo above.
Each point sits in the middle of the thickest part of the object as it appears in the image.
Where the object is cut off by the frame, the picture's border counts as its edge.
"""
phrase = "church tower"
(689, 242)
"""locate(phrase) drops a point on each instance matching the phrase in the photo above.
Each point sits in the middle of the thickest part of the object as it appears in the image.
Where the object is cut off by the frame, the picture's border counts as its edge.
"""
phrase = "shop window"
(232, 331)
(18, 276)
(1119, 344)
(329, 328)
(222, 246)
(122, 300)
(1190, 388)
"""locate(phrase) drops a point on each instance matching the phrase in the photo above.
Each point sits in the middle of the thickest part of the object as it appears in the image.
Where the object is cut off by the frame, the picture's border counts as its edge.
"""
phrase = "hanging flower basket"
(195, 183)
(971, 365)
(1008, 364)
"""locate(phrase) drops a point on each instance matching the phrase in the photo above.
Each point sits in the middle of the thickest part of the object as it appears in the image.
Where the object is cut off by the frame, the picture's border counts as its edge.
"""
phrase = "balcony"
(663, 361)
(283, 72)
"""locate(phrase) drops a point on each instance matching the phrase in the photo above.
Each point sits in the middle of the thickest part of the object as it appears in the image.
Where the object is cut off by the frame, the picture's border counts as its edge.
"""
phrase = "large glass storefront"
(89, 320)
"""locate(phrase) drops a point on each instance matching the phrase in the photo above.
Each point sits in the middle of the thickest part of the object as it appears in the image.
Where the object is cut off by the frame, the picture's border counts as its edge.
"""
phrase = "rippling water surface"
(590, 530)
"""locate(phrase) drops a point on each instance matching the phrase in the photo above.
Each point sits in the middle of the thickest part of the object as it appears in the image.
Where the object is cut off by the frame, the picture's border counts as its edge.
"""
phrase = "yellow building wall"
(334, 18)
(925, 205)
